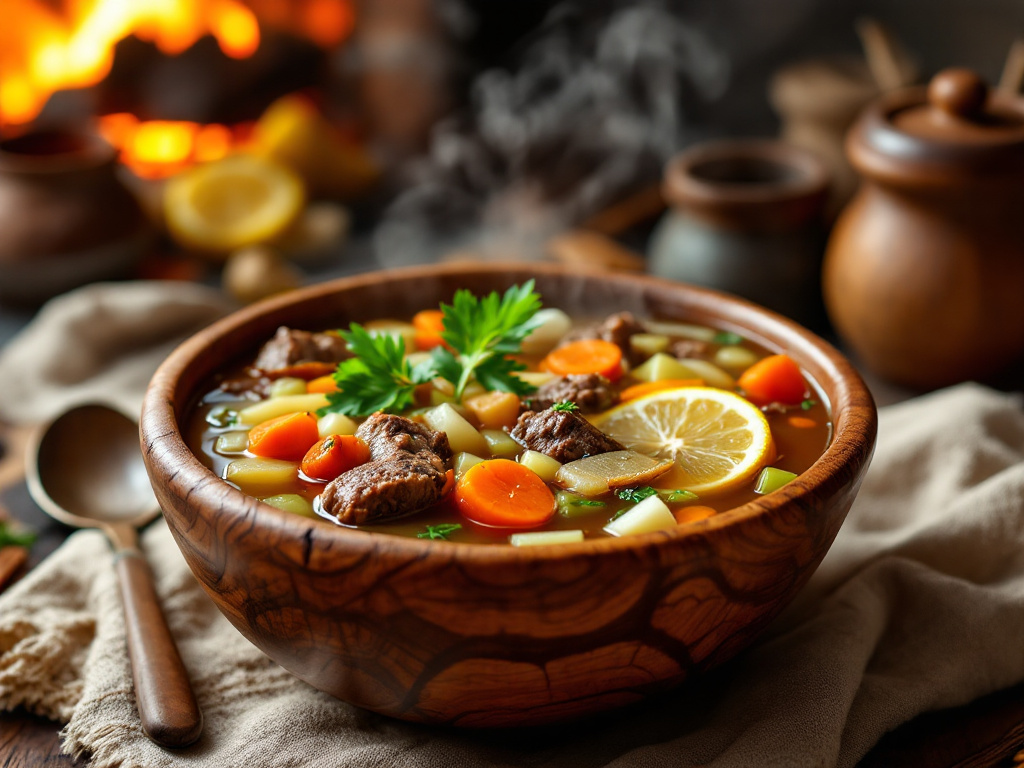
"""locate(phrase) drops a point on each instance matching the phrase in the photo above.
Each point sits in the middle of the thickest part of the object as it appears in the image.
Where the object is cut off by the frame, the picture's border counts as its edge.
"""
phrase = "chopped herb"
(442, 531)
(808, 404)
(222, 416)
(378, 378)
(617, 515)
(587, 503)
(567, 406)
(679, 494)
(12, 538)
(635, 495)
(727, 338)
(482, 334)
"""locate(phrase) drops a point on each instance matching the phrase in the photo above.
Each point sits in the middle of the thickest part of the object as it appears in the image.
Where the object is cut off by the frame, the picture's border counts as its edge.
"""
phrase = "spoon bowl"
(85, 469)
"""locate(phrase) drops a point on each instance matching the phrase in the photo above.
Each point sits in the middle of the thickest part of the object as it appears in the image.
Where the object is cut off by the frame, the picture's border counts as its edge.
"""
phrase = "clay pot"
(745, 217)
(65, 219)
(924, 271)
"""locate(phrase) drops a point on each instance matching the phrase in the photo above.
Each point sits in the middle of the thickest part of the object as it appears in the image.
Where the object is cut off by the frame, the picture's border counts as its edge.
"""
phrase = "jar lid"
(956, 126)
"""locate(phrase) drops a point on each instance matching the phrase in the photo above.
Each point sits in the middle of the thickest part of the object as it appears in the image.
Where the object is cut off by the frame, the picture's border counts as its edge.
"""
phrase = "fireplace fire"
(53, 46)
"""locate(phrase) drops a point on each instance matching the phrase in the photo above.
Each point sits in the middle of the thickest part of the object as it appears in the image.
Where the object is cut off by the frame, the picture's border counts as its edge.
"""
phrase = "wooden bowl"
(490, 635)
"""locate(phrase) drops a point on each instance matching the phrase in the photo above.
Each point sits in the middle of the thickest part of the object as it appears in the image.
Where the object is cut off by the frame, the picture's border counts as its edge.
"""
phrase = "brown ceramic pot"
(65, 219)
(924, 271)
(493, 635)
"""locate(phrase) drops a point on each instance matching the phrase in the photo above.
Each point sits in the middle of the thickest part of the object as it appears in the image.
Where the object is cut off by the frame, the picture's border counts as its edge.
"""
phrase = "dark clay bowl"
(487, 635)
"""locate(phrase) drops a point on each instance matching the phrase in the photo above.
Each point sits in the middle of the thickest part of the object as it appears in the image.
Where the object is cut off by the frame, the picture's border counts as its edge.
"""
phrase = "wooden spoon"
(85, 469)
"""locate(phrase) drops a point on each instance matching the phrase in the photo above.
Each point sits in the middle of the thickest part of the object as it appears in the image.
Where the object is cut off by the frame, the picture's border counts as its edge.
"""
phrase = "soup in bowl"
(504, 494)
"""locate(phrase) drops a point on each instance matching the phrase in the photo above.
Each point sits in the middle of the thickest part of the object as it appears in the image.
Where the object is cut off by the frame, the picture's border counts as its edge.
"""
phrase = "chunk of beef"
(592, 392)
(386, 434)
(683, 348)
(385, 489)
(406, 472)
(290, 347)
(618, 329)
(562, 435)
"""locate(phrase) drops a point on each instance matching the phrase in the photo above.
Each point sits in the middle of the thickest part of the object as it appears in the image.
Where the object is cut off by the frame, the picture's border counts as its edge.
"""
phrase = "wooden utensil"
(85, 469)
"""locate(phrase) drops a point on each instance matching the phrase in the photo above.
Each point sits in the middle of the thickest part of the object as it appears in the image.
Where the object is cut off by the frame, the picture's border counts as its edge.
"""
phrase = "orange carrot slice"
(647, 387)
(322, 384)
(693, 514)
(334, 455)
(428, 324)
(585, 356)
(286, 437)
(802, 422)
(774, 379)
(504, 494)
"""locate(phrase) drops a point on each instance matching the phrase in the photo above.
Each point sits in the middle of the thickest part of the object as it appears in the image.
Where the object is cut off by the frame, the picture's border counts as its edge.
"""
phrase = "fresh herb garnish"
(636, 495)
(442, 531)
(481, 334)
(222, 416)
(12, 538)
(378, 378)
(586, 503)
(566, 406)
(727, 338)
(807, 404)
(679, 494)
(617, 515)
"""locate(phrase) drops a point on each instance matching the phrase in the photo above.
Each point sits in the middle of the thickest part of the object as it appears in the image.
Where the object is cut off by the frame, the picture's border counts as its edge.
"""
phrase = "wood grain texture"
(477, 635)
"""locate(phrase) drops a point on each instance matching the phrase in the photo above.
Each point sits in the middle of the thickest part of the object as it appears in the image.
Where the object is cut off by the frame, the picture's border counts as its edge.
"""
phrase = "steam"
(597, 105)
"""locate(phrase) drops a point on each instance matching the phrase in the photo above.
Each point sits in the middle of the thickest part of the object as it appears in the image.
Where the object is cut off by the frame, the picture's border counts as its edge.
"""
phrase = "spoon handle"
(167, 706)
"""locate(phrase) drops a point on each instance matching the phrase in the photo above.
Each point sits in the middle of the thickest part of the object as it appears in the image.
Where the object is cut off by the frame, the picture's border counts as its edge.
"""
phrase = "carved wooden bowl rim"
(853, 411)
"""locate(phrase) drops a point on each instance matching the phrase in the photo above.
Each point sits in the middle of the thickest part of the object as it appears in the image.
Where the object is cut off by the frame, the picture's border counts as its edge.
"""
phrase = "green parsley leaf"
(679, 494)
(586, 503)
(9, 537)
(635, 495)
(378, 378)
(808, 404)
(566, 406)
(442, 531)
(482, 333)
(727, 338)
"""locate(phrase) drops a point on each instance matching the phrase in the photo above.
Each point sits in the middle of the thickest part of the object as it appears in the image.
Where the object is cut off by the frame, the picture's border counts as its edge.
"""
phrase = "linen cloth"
(919, 605)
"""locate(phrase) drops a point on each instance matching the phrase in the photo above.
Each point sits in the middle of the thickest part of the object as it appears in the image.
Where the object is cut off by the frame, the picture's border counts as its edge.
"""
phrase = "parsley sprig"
(378, 378)
(442, 531)
(483, 333)
(480, 334)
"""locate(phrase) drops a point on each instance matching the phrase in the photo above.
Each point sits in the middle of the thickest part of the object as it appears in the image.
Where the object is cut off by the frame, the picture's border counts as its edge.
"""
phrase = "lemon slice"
(231, 203)
(717, 438)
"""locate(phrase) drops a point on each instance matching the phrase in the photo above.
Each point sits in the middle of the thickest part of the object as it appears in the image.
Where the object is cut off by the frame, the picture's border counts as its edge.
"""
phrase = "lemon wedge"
(231, 203)
(717, 438)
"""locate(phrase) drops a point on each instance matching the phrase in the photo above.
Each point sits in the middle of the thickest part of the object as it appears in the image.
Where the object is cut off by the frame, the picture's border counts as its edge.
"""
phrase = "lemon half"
(231, 203)
(717, 438)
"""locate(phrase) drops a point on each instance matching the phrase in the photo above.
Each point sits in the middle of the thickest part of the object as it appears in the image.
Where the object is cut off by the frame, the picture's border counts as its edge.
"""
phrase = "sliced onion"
(594, 475)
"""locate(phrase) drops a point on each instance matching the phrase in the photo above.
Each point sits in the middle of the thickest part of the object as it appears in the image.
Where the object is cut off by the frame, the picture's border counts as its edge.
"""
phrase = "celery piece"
(288, 385)
(279, 406)
(463, 461)
(545, 467)
(500, 444)
(771, 479)
(539, 538)
(291, 502)
(573, 505)
(231, 442)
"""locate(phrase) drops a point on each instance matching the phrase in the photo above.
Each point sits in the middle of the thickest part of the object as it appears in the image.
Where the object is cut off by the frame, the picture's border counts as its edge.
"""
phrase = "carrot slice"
(585, 356)
(322, 384)
(802, 422)
(286, 437)
(647, 387)
(334, 455)
(693, 514)
(428, 324)
(774, 379)
(504, 494)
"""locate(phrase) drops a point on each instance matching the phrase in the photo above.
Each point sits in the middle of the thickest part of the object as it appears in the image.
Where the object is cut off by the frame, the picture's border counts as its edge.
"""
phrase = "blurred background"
(258, 145)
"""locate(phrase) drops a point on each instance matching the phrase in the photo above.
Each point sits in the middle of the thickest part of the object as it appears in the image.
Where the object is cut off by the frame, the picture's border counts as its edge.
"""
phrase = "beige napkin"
(919, 605)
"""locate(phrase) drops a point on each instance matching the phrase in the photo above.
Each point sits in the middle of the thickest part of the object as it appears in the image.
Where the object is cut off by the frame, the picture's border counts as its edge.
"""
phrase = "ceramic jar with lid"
(745, 217)
(65, 217)
(924, 271)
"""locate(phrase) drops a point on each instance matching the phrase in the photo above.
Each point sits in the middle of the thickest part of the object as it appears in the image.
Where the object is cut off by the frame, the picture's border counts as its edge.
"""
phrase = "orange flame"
(43, 50)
